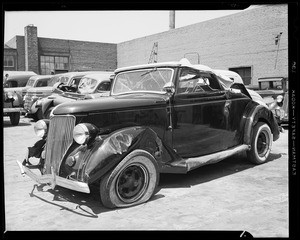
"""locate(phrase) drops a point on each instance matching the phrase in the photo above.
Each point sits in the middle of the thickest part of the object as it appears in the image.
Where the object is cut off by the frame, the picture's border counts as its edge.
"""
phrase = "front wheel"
(132, 182)
(15, 118)
(261, 143)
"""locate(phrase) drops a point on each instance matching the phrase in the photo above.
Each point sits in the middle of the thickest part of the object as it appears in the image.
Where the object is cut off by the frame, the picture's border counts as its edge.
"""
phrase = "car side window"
(105, 86)
(193, 81)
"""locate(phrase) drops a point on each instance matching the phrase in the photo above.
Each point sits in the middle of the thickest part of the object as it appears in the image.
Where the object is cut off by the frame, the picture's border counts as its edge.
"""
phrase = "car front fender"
(103, 154)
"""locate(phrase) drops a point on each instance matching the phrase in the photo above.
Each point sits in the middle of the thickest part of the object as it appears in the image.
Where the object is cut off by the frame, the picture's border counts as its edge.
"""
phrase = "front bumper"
(54, 180)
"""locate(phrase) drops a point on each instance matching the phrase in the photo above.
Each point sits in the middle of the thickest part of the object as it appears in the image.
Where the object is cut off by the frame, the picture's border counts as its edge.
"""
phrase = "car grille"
(28, 99)
(59, 139)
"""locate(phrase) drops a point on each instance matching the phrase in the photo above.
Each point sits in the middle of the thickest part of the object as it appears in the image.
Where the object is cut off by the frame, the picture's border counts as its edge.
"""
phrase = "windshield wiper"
(150, 71)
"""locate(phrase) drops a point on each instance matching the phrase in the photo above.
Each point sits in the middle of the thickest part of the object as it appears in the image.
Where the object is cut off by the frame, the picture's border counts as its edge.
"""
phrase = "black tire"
(15, 118)
(261, 143)
(132, 182)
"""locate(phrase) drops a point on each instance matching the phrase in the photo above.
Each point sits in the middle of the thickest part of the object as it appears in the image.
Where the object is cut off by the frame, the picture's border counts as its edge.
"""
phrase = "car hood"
(113, 103)
(16, 89)
(40, 89)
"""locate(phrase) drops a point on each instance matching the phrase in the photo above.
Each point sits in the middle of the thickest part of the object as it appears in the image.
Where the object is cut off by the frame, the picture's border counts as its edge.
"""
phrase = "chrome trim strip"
(54, 180)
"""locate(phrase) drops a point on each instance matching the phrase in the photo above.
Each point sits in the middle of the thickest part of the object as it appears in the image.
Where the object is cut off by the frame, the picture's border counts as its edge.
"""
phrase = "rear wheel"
(261, 143)
(132, 182)
(14, 118)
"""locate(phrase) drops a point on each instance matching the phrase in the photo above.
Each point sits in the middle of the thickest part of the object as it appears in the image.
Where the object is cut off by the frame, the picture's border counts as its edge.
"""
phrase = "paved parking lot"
(230, 195)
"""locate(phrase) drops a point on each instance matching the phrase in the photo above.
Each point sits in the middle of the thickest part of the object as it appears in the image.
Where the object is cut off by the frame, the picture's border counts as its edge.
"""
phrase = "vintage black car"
(167, 117)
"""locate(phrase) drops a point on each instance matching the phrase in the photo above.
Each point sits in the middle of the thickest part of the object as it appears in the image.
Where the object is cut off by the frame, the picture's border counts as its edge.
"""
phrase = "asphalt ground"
(230, 195)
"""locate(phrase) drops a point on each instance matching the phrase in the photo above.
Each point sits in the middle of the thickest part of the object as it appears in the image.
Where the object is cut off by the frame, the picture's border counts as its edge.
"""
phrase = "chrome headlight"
(40, 128)
(279, 98)
(84, 133)
(10, 95)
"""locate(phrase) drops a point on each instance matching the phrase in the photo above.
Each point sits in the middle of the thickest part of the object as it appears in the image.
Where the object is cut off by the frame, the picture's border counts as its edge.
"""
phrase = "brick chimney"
(31, 49)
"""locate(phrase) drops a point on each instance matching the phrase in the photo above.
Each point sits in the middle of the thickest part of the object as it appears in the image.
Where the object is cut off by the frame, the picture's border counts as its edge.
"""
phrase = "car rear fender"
(254, 113)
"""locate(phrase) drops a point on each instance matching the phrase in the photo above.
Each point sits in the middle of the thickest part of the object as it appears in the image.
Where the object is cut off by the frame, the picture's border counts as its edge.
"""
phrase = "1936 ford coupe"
(167, 117)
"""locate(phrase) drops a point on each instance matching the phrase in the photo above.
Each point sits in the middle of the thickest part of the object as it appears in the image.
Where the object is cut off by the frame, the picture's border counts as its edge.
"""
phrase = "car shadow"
(210, 172)
(90, 205)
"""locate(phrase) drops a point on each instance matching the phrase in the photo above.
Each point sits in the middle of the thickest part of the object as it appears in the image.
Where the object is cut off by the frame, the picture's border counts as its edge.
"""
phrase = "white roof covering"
(182, 63)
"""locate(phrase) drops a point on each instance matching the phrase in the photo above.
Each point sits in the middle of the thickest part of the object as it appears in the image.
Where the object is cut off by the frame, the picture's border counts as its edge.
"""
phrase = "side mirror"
(169, 88)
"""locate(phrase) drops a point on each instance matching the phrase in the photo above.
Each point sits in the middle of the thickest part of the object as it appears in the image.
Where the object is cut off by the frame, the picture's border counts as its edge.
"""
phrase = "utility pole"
(277, 42)
(171, 19)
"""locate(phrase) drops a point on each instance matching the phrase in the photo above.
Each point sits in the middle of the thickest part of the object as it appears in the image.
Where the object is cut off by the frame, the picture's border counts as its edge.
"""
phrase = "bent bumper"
(54, 180)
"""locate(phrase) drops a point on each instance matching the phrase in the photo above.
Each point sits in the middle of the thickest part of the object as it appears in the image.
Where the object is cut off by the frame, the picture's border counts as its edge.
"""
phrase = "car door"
(200, 114)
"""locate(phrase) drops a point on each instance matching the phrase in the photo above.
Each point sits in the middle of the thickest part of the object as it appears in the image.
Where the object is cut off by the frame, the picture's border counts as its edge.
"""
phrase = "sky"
(102, 26)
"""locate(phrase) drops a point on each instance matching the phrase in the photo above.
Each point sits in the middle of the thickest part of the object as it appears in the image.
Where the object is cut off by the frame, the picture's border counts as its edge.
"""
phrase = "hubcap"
(262, 144)
(132, 183)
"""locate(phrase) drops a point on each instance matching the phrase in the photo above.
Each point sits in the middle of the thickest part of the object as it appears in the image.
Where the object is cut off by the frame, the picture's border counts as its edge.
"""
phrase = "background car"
(12, 79)
(274, 91)
(68, 79)
(12, 105)
(90, 86)
(168, 117)
(14, 84)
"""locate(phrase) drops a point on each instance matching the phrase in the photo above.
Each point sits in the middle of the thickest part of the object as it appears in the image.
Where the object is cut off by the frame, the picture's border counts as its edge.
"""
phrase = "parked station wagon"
(169, 117)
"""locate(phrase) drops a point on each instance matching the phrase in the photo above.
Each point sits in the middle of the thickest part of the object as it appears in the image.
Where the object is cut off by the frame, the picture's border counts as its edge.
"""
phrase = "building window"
(245, 73)
(9, 61)
(54, 63)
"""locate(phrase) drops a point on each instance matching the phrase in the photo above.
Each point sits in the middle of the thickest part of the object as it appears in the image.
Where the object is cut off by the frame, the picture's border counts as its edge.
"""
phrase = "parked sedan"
(169, 117)
(274, 91)
(90, 86)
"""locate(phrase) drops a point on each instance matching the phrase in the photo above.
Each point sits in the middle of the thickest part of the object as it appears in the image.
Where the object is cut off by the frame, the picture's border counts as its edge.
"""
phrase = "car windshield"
(149, 80)
(274, 85)
(56, 79)
(64, 79)
(30, 83)
(87, 85)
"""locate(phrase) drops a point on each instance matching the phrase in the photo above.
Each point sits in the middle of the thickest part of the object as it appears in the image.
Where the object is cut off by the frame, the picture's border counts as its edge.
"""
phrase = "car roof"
(35, 77)
(18, 77)
(77, 74)
(182, 63)
(99, 75)
(264, 79)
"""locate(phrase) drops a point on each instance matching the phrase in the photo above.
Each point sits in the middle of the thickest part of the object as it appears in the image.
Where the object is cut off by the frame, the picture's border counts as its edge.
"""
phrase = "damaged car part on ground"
(167, 117)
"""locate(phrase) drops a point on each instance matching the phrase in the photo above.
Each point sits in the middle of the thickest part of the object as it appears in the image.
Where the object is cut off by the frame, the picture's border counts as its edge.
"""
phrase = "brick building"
(243, 42)
(253, 43)
(43, 55)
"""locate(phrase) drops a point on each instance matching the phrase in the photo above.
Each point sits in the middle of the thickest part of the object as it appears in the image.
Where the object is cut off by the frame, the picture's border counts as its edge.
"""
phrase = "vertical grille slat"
(60, 137)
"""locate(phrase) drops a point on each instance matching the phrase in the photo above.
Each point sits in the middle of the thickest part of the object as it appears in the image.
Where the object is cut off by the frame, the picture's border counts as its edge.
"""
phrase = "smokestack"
(172, 20)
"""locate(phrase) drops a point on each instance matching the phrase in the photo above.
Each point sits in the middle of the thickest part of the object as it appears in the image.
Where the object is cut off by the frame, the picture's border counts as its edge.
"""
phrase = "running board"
(192, 163)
